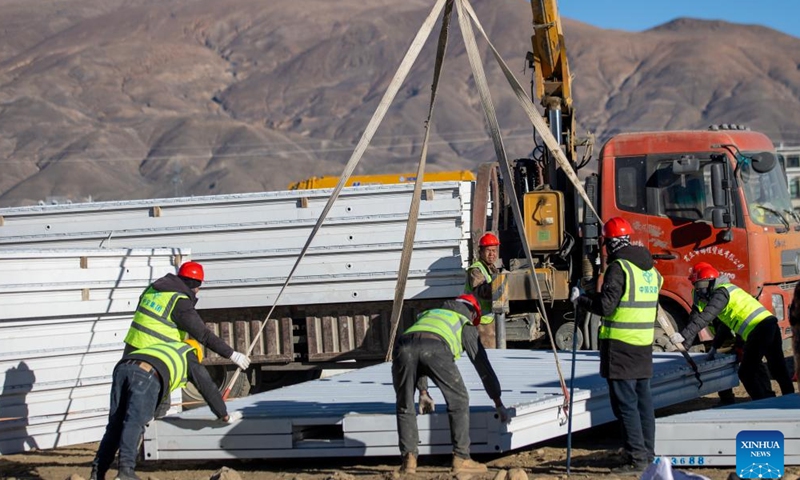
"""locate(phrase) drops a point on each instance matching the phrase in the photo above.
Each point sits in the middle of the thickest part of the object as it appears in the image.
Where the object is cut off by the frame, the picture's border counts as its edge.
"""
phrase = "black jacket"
(620, 360)
(717, 301)
(186, 317)
(197, 374)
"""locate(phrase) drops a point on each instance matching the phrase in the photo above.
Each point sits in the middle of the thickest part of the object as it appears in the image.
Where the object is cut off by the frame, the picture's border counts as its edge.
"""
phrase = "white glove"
(234, 416)
(241, 360)
(676, 338)
(574, 294)
(711, 354)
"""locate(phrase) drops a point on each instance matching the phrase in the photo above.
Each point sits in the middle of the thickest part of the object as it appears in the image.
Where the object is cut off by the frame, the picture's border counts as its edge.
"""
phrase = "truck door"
(680, 208)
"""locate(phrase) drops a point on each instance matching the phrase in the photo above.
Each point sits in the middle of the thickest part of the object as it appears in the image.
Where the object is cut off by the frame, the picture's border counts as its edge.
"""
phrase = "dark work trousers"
(632, 404)
(416, 356)
(764, 341)
(134, 396)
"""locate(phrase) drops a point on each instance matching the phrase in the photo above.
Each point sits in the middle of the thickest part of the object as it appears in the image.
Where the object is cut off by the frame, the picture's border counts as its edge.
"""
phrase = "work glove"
(574, 294)
(241, 360)
(232, 417)
(502, 413)
(426, 403)
(676, 338)
(711, 354)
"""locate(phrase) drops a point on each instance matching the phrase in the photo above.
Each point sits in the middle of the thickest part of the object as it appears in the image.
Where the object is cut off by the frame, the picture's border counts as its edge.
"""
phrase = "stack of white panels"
(708, 437)
(249, 242)
(63, 317)
(352, 414)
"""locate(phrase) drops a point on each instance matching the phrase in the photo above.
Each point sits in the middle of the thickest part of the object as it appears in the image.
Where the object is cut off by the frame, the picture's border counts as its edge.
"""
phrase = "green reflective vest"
(445, 323)
(633, 320)
(742, 313)
(173, 354)
(152, 322)
(486, 305)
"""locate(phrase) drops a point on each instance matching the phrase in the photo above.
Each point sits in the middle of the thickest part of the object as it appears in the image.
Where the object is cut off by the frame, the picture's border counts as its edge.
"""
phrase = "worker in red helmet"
(628, 303)
(715, 297)
(481, 273)
(430, 348)
(166, 313)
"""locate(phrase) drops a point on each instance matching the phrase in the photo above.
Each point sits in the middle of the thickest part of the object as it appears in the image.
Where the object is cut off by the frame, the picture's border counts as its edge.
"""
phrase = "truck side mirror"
(763, 162)
(720, 217)
(719, 185)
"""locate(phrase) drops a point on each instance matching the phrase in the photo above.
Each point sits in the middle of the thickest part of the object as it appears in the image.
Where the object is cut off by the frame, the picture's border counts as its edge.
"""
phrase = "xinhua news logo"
(759, 454)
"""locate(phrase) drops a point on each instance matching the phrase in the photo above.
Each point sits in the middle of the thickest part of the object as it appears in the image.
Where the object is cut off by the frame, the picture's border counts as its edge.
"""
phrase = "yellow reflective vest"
(445, 323)
(152, 322)
(633, 320)
(742, 313)
(173, 354)
(486, 305)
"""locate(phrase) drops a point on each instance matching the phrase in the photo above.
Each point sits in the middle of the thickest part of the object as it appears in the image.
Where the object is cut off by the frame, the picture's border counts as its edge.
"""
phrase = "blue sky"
(636, 15)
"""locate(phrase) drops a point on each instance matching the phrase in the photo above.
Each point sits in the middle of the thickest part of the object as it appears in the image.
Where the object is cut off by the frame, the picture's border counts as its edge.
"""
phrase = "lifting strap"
(494, 130)
(413, 212)
(361, 147)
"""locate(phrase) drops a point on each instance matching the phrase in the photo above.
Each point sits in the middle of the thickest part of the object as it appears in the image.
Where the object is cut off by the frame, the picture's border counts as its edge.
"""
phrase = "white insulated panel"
(59, 341)
(249, 242)
(352, 414)
(708, 437)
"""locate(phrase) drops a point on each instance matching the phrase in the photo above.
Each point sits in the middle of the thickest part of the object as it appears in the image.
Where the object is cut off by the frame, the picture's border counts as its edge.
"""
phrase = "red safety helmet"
(703, 271)
(489, 239)
(470, 300)
(617, 227)
(192, 270)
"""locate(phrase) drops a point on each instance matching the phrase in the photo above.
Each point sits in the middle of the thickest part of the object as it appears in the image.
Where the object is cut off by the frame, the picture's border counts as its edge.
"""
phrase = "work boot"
(632, 468)
(126, 474)
(409, 466)
(467, 465)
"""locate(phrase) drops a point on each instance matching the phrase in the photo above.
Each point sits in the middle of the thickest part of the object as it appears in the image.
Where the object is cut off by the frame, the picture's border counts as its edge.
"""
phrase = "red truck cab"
(717, 196)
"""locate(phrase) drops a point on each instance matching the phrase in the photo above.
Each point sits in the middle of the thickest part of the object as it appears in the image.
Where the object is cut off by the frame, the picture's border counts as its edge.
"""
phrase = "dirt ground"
(594, 453)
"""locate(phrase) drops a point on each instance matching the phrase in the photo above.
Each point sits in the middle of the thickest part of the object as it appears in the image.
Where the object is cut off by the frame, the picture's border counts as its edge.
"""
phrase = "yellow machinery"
(356, 180)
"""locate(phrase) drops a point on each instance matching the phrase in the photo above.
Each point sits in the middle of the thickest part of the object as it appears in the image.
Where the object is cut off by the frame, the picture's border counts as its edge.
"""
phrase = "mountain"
(123, 99)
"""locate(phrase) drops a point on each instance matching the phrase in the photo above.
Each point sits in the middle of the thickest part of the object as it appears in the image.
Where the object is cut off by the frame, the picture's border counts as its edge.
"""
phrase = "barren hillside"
(118, 99)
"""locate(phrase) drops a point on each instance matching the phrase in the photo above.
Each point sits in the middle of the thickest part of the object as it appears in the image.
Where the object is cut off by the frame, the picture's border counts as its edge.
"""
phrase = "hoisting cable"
(391, 92)
(413, 211)
(494, 131)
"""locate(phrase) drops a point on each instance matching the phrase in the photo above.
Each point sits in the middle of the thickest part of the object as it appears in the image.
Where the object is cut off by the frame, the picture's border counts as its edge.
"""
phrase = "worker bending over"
(141, 379)
(481, 273)
(714, 296)
(628, 303)
(430, 348)
(166, 313)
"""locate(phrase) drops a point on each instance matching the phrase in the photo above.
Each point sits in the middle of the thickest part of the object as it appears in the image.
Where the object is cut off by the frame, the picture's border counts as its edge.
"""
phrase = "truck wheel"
(564, 337)
(222, 375)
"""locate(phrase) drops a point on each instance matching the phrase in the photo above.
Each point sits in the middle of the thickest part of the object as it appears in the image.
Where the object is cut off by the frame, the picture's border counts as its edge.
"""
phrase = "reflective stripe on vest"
(173, 354)
(742, 313)
(633, 320)
(445, 323)
(152, 323)
(486, 305)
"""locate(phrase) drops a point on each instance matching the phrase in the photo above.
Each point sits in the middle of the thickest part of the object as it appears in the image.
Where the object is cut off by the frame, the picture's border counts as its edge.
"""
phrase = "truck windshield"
(767, 196)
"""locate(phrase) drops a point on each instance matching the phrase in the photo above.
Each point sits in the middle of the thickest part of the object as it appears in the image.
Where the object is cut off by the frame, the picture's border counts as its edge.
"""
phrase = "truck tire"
(222, 375)
(677, 317)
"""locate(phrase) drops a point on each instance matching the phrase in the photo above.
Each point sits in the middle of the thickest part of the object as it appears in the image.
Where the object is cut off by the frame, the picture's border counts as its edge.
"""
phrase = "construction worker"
(140, 380)
(481, 273)
(794, 322)
(166, 313)
(430, 348)
(628, 303)
(716, 297)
